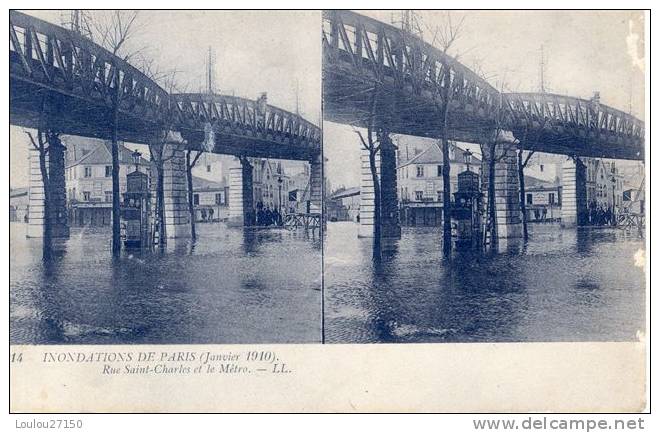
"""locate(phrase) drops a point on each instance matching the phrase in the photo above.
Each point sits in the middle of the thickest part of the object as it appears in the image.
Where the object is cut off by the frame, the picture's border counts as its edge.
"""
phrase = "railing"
(549, 110)
(390, 54)
(368, 50)
(302, 220)
(54, 58)
(252, 118)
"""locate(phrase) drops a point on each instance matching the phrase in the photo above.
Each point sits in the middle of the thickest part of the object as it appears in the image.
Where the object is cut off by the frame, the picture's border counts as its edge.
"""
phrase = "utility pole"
(542, 72)
(209, 72)
(297, 101)
(77, 21)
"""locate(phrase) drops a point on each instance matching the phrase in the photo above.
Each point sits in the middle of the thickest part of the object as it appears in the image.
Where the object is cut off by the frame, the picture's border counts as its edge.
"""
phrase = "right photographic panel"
(484, 176)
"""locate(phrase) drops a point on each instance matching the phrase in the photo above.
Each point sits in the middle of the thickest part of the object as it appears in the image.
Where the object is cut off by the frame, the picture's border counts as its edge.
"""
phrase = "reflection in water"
(563, 285)
(230, 286)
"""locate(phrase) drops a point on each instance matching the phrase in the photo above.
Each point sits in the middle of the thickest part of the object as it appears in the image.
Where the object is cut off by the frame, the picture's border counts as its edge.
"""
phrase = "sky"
(584, 52)
(255, 51)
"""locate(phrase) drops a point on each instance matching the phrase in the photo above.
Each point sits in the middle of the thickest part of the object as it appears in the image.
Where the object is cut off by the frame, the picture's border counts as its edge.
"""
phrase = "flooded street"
(232, 286)
(564, 285)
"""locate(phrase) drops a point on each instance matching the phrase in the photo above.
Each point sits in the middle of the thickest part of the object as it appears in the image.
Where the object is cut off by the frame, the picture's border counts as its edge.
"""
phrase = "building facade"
(344, 205)
(88, 175)
(210, 200)
(420, 182)
(605, 185)
(542, 200)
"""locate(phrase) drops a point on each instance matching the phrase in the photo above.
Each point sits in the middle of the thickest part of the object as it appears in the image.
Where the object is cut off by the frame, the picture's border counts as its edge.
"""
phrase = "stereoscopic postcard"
(328, 211)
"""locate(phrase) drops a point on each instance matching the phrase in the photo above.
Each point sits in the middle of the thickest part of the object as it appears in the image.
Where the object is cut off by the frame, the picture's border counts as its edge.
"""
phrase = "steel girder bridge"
(362, 56)
(65, 82)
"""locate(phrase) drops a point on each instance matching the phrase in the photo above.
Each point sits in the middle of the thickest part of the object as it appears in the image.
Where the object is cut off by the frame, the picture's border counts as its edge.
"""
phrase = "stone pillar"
(366, 228)
(507, 189)
(391, 227)
(386, 169)
(175, 188)
(574, 193)
(316, 185)
(241, 206)
(58, 212)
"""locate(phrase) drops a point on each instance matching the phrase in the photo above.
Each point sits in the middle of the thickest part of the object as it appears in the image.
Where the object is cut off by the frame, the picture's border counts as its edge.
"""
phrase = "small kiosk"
(135, 208)
(466, 211)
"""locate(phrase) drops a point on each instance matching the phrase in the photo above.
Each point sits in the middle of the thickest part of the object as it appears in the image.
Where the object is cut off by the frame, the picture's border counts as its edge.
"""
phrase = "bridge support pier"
(507, 190)
(386, 170)
(241, 206)
(58, 211)
(175, 188)
(574, 193)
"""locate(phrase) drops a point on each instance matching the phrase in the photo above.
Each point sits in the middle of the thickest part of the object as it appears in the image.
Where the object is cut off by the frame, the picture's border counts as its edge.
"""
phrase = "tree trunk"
(446, 167)
(160, 204)
(377, 201)
(116, 221)
(191, 204)
(45, 180)
(523, 206)
(446, 199)
(492, 211)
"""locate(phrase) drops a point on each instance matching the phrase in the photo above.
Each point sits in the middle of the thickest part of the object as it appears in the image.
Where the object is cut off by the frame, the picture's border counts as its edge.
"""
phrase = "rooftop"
(433, 155)
(102, 155)
(200, 184)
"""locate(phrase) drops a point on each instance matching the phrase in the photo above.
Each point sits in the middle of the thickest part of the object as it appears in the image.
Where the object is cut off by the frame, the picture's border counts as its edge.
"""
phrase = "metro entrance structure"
(360, 54)
(62, 81)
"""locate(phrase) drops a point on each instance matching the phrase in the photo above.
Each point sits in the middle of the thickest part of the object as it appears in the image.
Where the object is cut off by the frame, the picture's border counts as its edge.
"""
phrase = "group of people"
(267, 216)
(600, 215)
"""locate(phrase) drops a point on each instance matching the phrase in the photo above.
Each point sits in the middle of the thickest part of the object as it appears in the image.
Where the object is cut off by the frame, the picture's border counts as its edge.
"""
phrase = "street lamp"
(136, 158)
(613, 179)
(467, 157)
(279, 187)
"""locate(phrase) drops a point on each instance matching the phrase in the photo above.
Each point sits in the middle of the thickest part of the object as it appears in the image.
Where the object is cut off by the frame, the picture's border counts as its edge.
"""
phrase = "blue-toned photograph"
(166, 177)
(485, 177)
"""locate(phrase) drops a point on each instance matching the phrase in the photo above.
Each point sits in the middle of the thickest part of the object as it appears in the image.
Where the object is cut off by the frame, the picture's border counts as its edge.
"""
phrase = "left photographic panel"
(165, 174)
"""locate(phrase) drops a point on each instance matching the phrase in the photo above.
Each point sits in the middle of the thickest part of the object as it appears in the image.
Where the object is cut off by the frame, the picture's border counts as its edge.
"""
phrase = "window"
(88, 171)
(529, 199)
(218, 198)
(541, 167)
(551, 198)
(108, 171)
(420, 171)
(87, 195)
(419, 195)
(108, 196)
(439, 193)
(208, 168)
(196, 199)
(439, 171)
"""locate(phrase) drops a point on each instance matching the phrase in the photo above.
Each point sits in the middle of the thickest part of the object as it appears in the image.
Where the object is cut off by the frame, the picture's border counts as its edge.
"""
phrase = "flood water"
(232, 286)
(564, 285)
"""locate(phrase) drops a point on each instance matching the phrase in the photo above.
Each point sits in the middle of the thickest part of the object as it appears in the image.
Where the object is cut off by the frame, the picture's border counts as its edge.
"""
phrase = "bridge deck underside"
(348, 99)
(70, 114)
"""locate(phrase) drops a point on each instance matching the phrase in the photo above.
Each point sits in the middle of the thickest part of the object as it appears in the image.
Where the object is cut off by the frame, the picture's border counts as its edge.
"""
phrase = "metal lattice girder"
(64, 81)
(414, 78)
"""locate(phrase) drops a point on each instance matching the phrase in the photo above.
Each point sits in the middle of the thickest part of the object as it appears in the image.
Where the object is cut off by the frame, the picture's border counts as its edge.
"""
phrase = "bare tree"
(46, 140)
(190, 164)
(494, 150)
(446, 34)
(372, 145)
(112, 30)
(522, 163)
